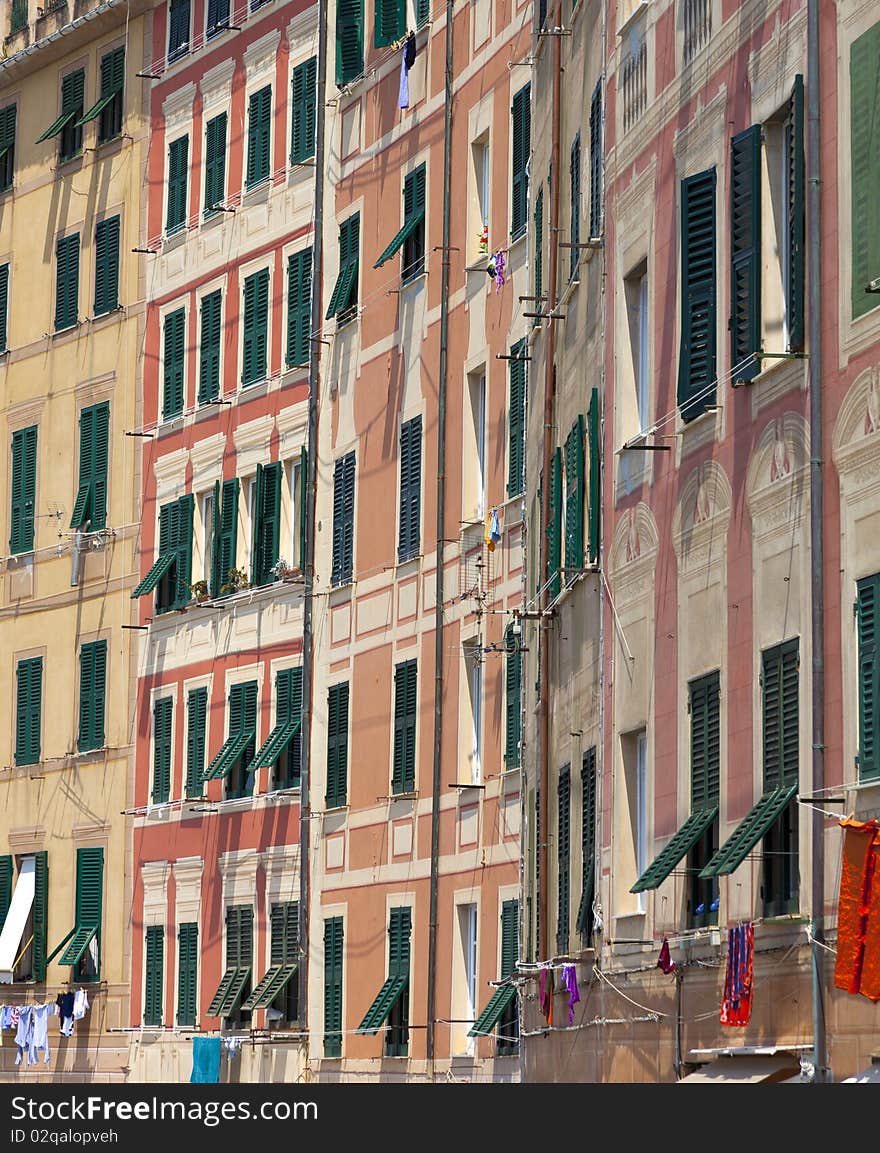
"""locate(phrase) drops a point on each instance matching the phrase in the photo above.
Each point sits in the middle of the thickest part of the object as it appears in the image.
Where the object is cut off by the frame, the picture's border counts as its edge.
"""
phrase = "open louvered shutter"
(794, 158)
(390, 25)
(509, 938)
(539, 257)
(516, 418)
(696, 365)
(178, 172)
(299, 306)
(521, 114)
(162, 741)
(154, 963)
(333, 957)
(745, 253)
(512, 700)
(209, 346)
(575, 205)
(594, 512)
(8, 116)
(187, 973)
(554, 528)
(4, 299)
(563, 859)
(183, 548)
(270, 519)
(303, 111)
(588, 844)
(349, 40)
(89, 903)
(259, 136)
(705, 697)
(228, 532)
(215, 162)
(574, 501)
(173, 381)
(197, 711)
(24, 484)
(867, 610)
(779, 682)
(596, 162)
(40, 915)
(6, 869)
(107, 265)
(864, 76)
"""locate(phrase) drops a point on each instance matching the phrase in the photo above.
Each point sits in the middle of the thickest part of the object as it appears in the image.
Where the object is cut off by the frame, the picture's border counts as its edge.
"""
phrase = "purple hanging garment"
(570, 981)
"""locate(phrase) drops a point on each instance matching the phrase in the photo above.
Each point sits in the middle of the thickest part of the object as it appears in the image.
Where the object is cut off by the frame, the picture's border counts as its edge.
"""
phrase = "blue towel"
(206, 1061)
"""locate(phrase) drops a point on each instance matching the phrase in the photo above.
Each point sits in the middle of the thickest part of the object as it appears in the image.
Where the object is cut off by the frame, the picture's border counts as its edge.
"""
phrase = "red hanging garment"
(736, 1004)
(852, 907)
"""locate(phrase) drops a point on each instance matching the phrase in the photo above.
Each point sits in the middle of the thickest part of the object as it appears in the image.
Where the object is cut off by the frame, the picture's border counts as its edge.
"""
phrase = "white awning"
(16, 919)
(747, 1070)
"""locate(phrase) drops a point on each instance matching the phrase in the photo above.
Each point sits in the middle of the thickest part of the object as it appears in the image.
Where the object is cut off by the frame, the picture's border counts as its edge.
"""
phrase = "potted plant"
(199, 590)
(236, 580)
(281, 569)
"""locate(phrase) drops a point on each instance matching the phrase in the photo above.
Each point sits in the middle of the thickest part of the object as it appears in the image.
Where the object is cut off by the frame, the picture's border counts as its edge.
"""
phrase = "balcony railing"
(697, 26)
(635, 84)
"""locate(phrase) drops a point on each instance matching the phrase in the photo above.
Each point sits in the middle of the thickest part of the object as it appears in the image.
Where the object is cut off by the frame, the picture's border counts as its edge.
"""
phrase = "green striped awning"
(748, 832)
(678, 848)
(491, 1015)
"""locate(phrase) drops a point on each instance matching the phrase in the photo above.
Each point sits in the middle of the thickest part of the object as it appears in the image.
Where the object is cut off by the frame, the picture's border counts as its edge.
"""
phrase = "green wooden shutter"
(92, 689)
(864, 75)
(187, 973)
(867, 608)
(390, 22)
(256, 536)
(745, 253)
(509, 938)
(109, 107)
(6, 870)
(588, 844)
(521, 113)
(344, 298)
(595, 506)
(178, 29)
(66, 281)
(399, 934)
(226, 547)
(516, 418)
(163, 736)
(215, 163)
(303, 499)
(704, 702)
(89, 888)
(349, 41)
(154, 972)
(100, 444)
(107, 265)
(8, 117)
(267, 522)
(779, 682)
(299, 306)
(289, 707)
(256, 326)
(24, 489)
(209, 346)
(72, 93)
(795, 255)
(304, 111)
(563, 859)
(28, 710)
(403, 778)
(197, 711)
(574, 501)
(259, 159)
(343, 519)
(337, 745)
(183, 550)
(333, 957)
(596, 162)
(173, 374)
(40, 914)
(512, 700)
(539, 256)
(696, 364)
(574, 206)
(554, 528)
(178, 173)
(4, 300)
(409, 526)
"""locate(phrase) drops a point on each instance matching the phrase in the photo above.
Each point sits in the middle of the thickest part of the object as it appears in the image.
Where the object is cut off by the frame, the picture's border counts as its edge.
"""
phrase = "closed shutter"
(304, 111)
(554, 528)
(794, 162)
(539, 256)
(154, 971)
(512, 700)
(163, 735)
(423, 12)
(182, 547)
(299, 307)
(399, 933)
(521, 146)
(197, 710)
(595, 506)
(779, 682)
(173, 373)
(90, 506)
(66, 282)
(867, 609)
(209, 346)
(40, 914)
(337, 746)
(89, 888)
(705, 695)
(107, 265)
(596, 162)
(28, 710)
(390, 25)
(239, 936)
(259, 160)
(588, 845)
(563, 859)
(110, 104)
(343, 520)
(218, 13)
(24, 488)
(333, 955)
(215, 163)
(256, 326)
(178, 32)
(4, 299)
(516, 419)
(745, 253)
(696, 365)
(409, 529)
(226, 542)
(405, 709)
(8, 117)
(6, 868)
(267, 522)
(187, 973)
(575, 206)
(92, 690)
(349, 41)
(72, 93)
(178, 172)
(574, 501)
(284, 924)
(509, 938)
(864, 79)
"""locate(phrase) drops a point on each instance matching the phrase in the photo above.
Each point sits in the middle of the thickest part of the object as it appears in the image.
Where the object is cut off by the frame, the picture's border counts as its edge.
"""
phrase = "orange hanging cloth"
(852, 907)
(870, 982)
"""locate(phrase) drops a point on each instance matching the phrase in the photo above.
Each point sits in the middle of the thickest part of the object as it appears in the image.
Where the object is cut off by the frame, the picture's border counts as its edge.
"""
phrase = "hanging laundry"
(206, 1061)
(498, 275)
(64, 1005)
(41, 1030)
(570, 981)
(233, 1046)
(407, 60)
(736, 1004)
(493, 530)
(857, 888)
(80, 1004)
(545, 984)
(24, 1036)
(664, 961)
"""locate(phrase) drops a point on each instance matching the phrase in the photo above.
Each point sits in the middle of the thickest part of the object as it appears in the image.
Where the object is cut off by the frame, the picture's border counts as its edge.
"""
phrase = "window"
(574, 500)
(411, 237)
(178, 171)
(265, 523)
(516, 418)
(866, 609)
(235, 984)
(343, 520)
(594, 510)
(7, 146)
(521, 149)
(632, 844)
(72, 92)
(28, 710)
(696, 363)
(474, 447)
(109, 104)
(277, 988)
(563, 859)
(479, 228)
(225, 536)
(187, 974)
(82, 945)
(299, 307)
(349, 41)
(209, 346)
(283, 746)
(218, 17)
(467, 937)
(203, 540)
(170, 574)
(344, 298)
(66, 282)
(337, 746)
(4, 306)
(154, 974)
(390, 22)
(409, 528)
(633, 375)
(501, 1009)
(472, 726)
(391, 1003)
(304, 103)
(92, 689)
(24, 488)
(575, 206)
(256, 327)
(539, 256)
(173, 383)
(704, 708)
(259, 154)
(298, 479)
(864, 81)
(596, 162)
(333, 955)
(234, 761)
(588, 846)
(90, 506)
(196, 717)
(513, 697)
(107, 265)
(403, 778)
(553, 575)
(178, 29)
(215, 164)
(23, 912)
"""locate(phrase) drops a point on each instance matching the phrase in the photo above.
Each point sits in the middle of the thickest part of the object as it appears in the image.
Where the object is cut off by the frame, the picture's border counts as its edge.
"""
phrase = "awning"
(229, 991)
(16, 918)
(275, 744)
(749, 831)
(678, 848)
(400, 239)
(274, 982)
(383, 1004)
(746, 1070)
(158, 570)
(342, 289)
(229, 753)
(491, 1015)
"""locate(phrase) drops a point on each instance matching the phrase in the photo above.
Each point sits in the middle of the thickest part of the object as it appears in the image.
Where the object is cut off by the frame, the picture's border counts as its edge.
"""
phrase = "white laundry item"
(233, 1044)
(24, 1036)
(41, 1030)
(80, 1004)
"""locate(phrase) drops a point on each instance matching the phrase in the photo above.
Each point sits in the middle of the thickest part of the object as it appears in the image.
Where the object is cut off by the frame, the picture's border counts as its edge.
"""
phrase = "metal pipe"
(308, 561)
(549, 396)
(443, 371)
(817, 560)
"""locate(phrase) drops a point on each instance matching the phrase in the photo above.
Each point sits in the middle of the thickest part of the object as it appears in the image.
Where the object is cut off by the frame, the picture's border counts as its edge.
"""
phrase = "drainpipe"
(549, 396)
(308, 561)
(817, 588)
(441, 509)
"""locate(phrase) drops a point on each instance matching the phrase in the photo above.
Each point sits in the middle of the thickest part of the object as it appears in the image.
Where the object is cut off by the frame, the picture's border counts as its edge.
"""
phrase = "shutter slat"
(696, 375)
(563, 859)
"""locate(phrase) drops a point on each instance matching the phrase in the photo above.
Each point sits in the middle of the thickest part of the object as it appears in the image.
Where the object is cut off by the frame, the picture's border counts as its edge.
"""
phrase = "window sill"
(68, 164)
(174, 237)
(257, 193)
(110, 146)
(414, 279)
(333, 810)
